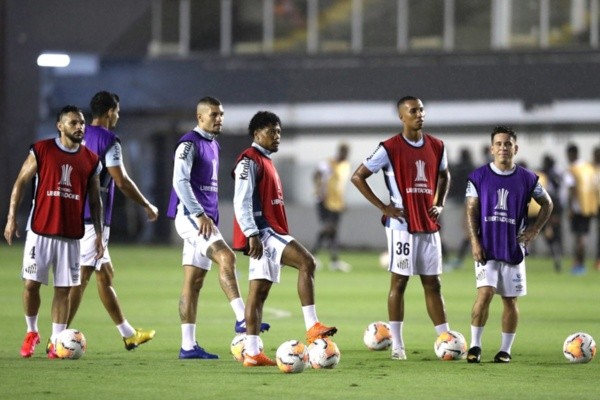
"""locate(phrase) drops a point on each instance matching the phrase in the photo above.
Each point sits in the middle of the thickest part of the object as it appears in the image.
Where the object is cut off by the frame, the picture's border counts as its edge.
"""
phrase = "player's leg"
(262, 274)
(31, 307)
(322, 233)
(512, 284)
(34, 273)
(427, 263)
(31, 297)
(552, 235)
(66, 254)
(598, 240)
(76, 293)
(221, 253)
(334, 247)
(193, 280)
(132, 337)
(60, 316)
(434, 300)
(510, 320)
(395, 305)
(88, 263)
(295, 255)
(580, 226)
(479, 317)
(257, 295)
(107, 293)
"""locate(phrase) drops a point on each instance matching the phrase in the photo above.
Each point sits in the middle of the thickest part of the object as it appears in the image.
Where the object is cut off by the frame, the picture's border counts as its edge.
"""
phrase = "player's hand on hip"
(435, 212)
(390, 210)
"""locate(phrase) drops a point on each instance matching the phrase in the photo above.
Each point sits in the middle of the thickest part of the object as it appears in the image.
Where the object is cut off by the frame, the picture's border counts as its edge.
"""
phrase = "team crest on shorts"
(31, 268)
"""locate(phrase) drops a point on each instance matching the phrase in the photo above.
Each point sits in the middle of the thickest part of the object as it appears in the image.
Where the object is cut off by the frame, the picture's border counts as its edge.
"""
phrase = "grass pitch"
(148, 281)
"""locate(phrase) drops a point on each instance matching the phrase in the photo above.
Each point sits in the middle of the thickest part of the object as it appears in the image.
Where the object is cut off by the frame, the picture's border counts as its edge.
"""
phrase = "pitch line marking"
(277, 313)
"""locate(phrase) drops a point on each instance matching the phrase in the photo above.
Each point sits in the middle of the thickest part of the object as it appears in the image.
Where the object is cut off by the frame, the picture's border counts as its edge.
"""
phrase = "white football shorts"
(414, 254)
(88, 247)
(509, 280)
(269, 265)
(194, 246)
(43, 253)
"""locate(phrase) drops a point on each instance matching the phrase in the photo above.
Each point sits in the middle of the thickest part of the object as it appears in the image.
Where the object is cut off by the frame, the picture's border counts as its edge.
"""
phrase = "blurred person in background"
(415, 169)
(330, 180)
(582, 203)
(552, 231)
(100, 138)
(596, 158)
(460, 175)
(497, 197)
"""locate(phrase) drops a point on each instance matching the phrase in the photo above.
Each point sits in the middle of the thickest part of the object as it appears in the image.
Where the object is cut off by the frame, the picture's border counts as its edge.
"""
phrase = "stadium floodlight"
(53, 60)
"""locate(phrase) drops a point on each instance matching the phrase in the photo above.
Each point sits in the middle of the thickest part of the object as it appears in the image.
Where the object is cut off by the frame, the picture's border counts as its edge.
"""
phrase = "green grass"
(148, 281)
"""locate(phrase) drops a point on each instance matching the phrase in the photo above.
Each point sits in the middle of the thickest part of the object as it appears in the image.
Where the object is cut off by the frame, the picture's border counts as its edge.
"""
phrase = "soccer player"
(194, 206)
(330, 181)
(415, 167)
(101, 140)
(582, 201)
(498, 196)
(65, 173)
(261, 232)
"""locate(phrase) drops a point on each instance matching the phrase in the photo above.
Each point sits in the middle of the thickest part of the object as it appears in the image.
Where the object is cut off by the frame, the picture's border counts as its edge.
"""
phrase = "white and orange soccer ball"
(323, 353)
(378, 336)
(292, 356)
(238, 346)
(450, 345)
(70, 344)
(579, 347)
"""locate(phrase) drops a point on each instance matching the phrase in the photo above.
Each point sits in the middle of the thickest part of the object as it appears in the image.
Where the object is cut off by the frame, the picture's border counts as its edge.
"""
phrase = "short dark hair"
(405, 99)
(573, 149)
(261, 120)
(503, 129)
(102, 102)
(67, 109)
(213, 101)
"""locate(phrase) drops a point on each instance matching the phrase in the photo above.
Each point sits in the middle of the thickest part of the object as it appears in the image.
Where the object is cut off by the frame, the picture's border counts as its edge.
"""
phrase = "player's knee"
(309, 265)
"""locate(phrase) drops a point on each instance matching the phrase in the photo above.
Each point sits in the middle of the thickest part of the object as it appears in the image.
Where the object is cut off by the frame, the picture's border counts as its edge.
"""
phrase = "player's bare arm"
(96, 212)
(473, 210)
(130, 189)
(443, 186)
(27, 172)
(359, 179)
(532, 231)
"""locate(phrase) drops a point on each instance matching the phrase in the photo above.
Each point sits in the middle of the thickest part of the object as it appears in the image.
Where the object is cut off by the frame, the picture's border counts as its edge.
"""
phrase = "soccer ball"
(384, 260)
(292, 356)
(238, 346)
(323, 353)
(70, 344)
(579, 347)
(377, 336)
(450, 345)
